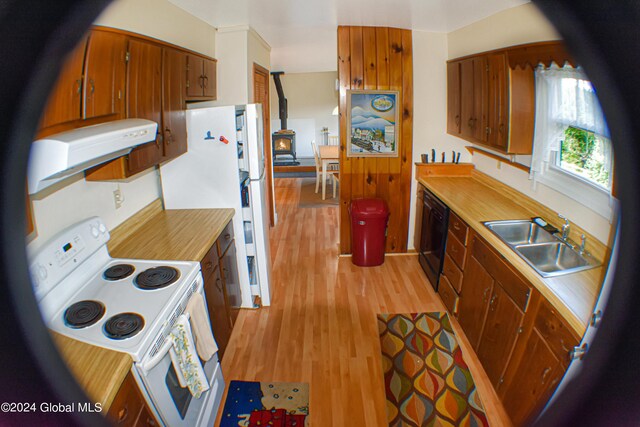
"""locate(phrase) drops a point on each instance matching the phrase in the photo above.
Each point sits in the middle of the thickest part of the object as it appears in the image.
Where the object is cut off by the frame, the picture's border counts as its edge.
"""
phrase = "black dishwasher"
(435, 218)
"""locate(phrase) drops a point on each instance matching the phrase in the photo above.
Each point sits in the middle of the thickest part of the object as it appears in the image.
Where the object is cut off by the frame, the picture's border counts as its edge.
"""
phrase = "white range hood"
(58, 156)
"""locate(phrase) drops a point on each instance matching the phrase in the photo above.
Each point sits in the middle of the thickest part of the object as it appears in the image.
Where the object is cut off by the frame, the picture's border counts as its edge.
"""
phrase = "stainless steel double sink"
(547, 253)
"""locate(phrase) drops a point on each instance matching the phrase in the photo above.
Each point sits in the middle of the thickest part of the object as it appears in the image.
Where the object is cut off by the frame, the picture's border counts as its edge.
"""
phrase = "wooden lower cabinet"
(222, 287)
(538, 365)
(129, 407)
(534, 379)
(231, 278)
(521, 341)
(474, 300)
(501, 330)
(217, 306)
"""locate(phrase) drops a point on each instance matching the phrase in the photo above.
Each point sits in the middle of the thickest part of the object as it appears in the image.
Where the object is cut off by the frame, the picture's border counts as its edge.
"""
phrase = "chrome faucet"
(583, 243)
(565, 227)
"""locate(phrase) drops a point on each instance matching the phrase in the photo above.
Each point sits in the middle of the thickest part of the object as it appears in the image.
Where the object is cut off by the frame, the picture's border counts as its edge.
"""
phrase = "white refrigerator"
(224, 168)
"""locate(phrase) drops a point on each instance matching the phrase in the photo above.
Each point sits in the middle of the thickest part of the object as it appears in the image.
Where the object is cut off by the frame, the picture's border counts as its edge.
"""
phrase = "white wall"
(75, 199)
(311, 99)
(79, 199)
(518, 25)
(430, 107)
(161, 20)
(237, 49)
(522, 24)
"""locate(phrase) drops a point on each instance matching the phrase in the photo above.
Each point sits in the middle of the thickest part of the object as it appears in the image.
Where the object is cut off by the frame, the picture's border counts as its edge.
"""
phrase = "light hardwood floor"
(321, 327)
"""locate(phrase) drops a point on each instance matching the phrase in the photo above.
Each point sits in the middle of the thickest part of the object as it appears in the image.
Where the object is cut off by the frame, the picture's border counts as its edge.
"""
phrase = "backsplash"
(589, 220)
(79, 199)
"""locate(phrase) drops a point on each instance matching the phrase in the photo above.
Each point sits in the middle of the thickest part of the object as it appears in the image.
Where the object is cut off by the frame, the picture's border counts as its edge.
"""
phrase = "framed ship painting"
(372, 123)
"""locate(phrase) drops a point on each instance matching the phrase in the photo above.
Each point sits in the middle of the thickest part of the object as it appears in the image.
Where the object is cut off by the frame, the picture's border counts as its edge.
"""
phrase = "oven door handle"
(151, 363)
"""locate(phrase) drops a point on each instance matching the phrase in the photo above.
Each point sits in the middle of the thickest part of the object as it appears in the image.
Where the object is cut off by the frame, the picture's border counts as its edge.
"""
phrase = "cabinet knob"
(577, 353)
(122, 414)
(227, 236)
(544, 375)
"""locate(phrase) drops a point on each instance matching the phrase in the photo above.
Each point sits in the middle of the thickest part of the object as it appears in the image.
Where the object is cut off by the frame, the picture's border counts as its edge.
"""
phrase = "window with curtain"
(571, 147)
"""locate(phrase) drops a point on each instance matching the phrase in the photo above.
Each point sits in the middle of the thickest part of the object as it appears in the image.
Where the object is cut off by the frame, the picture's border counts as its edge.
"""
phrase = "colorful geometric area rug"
(426, 379)
(254, 404)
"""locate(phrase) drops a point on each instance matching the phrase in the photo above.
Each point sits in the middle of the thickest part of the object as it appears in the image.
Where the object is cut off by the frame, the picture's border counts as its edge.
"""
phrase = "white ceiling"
(294, 26)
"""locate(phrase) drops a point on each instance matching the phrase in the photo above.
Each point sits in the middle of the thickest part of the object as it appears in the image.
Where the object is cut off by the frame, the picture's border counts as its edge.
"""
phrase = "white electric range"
(126, 305)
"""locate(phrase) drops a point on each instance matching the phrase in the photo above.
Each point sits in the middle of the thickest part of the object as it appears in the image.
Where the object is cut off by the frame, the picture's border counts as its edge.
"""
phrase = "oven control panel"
(61, 255)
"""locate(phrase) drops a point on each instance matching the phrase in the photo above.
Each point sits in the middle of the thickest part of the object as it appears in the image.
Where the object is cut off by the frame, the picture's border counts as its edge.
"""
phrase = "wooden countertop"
(153, 233)
(475, 200)
(99, 371)
(180, 235)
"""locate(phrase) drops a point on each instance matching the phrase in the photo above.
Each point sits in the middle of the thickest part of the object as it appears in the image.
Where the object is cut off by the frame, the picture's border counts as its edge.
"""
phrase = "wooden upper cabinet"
(144, 100)
(210, 78)
(453, 98)
(174, 122)
(496, 100)
(91, 84)
(201, 77)
(498, 105)
(65, 101)
(105, 67)
(473, 98)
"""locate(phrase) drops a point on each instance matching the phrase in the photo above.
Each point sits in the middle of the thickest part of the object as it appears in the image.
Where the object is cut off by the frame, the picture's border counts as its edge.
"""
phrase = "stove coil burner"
(83, 314)
(123, 325)
(157, 277)
(118, 272)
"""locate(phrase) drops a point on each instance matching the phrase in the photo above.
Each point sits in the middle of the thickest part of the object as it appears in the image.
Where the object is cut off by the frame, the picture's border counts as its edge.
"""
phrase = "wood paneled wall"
(377, 58)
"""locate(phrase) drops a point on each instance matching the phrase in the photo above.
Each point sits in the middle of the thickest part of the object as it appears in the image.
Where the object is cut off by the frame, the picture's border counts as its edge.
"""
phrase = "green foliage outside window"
(583, 153)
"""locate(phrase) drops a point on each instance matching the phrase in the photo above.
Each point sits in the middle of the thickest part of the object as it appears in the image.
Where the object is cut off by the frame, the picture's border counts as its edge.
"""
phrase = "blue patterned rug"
(253, 404)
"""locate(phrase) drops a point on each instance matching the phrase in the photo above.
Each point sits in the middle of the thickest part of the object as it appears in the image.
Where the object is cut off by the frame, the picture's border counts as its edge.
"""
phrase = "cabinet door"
(477, 286)
(480, 98)
(105, 68)
(500, 333)
(498, 101)
(173, 104)
(466, 98)
(453, 98)
(229, 265)
(209, 77)
(195, 77)
(144, 100)
(538, 374)
(214, 291)
(65, 101)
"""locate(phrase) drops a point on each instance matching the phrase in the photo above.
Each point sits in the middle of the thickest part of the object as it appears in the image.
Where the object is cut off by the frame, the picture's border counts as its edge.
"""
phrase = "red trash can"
(368, 231)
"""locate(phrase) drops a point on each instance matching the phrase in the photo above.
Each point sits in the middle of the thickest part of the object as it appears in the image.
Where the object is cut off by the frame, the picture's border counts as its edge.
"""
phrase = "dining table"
(329, 154)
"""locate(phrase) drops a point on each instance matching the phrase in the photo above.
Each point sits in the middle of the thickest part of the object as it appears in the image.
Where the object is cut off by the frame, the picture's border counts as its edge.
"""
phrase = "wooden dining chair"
(334, 140)
(333, 167)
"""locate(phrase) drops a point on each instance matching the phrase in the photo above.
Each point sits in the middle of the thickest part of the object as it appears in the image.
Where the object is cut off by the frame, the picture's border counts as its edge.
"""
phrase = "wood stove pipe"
(282, 101)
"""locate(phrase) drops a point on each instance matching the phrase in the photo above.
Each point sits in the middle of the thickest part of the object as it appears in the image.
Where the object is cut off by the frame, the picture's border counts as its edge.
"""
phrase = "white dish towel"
(183, 354)
(205, 343)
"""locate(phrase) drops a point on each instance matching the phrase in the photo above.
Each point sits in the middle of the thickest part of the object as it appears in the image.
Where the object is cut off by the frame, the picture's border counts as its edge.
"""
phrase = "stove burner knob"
(102, 228)
(94, 231)
(42, 272)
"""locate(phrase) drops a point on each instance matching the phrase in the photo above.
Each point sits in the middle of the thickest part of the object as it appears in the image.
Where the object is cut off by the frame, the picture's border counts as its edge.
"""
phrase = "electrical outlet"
(117, 198)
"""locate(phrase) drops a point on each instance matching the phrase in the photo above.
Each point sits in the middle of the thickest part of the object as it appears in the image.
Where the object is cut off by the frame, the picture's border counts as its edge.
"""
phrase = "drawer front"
(448, 295)
(453, 273)
(127, 404)
(210, 261)
(226, 238)
(555, 331)
(517, 288)
(458, 228)
(456, 250)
